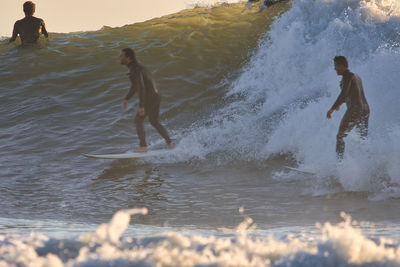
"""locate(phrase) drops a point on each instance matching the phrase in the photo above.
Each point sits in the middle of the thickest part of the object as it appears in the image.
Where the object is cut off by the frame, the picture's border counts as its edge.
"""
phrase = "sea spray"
(64, 100)
(112, 231)
(344, 244)
(281, 97)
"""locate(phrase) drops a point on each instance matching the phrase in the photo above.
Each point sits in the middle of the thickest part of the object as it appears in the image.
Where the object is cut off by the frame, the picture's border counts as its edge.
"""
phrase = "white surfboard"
(300, 170)
(129, 155)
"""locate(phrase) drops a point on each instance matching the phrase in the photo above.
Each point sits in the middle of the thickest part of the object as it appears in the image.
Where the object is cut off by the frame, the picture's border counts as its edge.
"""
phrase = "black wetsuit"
(269, 3)
(149, 99)
(29, 29)
(357, 114)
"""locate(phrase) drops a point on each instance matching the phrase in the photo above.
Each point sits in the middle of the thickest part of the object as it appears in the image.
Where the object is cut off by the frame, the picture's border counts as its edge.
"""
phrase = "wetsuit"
(357, 113)
(269, 3)
(29, 29)
(149, 99)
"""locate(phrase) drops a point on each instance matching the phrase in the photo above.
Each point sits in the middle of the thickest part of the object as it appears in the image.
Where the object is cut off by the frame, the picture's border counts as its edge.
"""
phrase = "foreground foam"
(343, 244)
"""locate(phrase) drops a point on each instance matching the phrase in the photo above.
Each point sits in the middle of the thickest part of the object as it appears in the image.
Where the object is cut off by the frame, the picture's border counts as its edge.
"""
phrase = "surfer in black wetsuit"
(149, 99)
(352, 94)
(30, 27)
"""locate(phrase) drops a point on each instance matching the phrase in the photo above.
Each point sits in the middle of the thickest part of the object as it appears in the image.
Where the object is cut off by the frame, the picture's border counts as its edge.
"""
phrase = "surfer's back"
(29, 29)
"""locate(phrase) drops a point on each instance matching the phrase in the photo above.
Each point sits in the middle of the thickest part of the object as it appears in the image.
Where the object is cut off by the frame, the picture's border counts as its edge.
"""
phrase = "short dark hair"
(29, 8)
(129, 53)
(341, 60)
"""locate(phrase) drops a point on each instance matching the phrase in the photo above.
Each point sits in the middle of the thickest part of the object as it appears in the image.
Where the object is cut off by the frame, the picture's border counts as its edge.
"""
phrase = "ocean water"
(244, 94)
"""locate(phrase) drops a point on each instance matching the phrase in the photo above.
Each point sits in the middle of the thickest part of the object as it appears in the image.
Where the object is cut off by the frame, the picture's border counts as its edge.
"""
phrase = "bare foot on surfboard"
(141, 149)
(171, 146)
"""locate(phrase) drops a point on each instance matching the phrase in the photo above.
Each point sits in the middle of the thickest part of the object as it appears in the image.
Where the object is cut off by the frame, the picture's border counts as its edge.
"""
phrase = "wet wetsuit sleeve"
(44, 31)
(15, 32)
(132, 91)
(141, 90)
(355, 91)
(137, 84)
(342, 97)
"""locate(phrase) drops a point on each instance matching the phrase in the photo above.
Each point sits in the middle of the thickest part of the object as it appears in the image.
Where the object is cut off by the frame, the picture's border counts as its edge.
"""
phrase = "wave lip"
(90, 18)
(283, 94)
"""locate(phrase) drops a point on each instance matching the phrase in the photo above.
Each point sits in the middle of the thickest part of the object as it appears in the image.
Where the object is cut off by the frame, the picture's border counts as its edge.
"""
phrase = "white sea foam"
(343, 244)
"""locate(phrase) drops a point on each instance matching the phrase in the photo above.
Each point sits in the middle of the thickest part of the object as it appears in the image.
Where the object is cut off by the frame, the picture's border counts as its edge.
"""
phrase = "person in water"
(149, 99)
(357, 113)
(30, 27)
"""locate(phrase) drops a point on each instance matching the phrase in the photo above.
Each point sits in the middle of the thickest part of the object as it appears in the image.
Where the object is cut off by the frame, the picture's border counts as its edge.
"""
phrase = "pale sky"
(83, 15)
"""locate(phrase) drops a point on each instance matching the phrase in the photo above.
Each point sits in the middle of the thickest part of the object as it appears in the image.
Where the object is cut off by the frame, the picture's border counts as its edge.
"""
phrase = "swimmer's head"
(29, 8)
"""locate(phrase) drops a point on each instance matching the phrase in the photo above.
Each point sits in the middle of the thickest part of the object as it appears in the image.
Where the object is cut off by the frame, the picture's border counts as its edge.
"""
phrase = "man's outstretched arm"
(44, 31)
